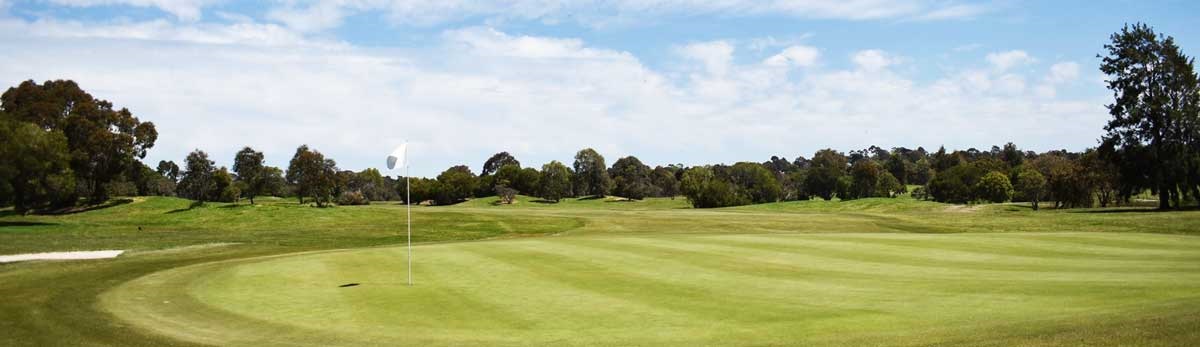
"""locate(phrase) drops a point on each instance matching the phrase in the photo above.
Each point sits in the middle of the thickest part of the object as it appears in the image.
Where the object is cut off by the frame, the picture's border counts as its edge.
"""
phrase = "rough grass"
(1117, 288)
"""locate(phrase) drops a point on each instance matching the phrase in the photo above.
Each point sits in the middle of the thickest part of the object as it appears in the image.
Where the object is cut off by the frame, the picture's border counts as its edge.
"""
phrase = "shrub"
(353, 198)
(889, 186)
(994, 187)
(920, 193)
(507, 195)
(956, 184)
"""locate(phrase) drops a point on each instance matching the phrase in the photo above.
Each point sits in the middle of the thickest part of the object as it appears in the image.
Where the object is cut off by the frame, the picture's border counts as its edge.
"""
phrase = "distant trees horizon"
(60, 147)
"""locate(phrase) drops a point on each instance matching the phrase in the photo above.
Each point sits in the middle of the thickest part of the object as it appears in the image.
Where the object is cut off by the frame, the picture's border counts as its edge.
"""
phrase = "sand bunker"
(60, 256)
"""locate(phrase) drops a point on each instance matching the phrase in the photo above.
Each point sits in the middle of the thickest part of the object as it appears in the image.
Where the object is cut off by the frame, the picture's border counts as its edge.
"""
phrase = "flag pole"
(408, 202)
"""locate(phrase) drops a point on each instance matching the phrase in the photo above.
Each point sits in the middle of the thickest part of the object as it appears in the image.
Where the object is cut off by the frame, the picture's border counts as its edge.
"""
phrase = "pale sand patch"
(61, 256)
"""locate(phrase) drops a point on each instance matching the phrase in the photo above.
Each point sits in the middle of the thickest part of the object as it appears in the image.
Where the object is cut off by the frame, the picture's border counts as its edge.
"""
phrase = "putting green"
(759, 289)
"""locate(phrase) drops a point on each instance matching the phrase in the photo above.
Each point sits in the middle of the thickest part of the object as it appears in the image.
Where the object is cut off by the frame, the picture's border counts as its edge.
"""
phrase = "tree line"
(60, 147)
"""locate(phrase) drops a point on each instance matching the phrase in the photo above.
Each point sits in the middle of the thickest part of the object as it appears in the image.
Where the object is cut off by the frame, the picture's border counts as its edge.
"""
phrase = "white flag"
(399, 157)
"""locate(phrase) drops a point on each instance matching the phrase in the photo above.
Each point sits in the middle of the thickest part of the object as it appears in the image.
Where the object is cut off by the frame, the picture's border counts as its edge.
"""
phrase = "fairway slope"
(687, 290)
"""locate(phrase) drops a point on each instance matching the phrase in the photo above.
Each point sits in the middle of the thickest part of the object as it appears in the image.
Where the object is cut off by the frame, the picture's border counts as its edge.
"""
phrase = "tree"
(225, 187)
(955, 184)
(591, 176)
(276, 184)
(313, 175)
(251, 173)
(1155, 101)
(1102, 175)
(169, 170)
(496, 162)
(665, 184)
(555, 181)
(1030, 183)
(994, 187)
(103, 141)
(34, 167)
(631, 178)
(197, 182)
(864, 176)
(527, 181)
(702, 188)
(1066, 183)
(793, 185)
(899, 167)
(889, 186)
(370, 184)
(755, 183)
(827, 167)
(506, 175)
(1011, 155)
(457, 183)
(507, 195)
(148, 181)
(922, 172)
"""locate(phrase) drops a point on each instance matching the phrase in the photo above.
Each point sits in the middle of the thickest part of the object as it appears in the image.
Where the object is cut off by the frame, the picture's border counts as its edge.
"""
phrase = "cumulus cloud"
(794, 56)
(317, 15)
(715, 55)
(954, 11)
(873, 59)
(1063, 72)
(187, 10)
(1009, 59)
(1059, 73)
(246, 33)
(480, 90)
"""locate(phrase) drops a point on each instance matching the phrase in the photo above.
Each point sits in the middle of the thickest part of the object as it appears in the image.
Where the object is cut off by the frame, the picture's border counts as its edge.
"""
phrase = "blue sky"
(670, 81)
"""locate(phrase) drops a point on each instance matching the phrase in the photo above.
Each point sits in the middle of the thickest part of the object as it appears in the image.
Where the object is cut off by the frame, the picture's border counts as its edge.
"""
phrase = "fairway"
(846, 289)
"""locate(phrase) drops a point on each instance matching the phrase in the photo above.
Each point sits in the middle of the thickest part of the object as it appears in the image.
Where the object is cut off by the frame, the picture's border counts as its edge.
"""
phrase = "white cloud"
(246, 33)
(954, 11)
(481, 91)
(1063, 72)
(716, 55)
(794, 56)
(873, 59)
(1059, 73)
(317, 15)
(320, 16)
(769, 42)
(1009, 59)
(188, 10)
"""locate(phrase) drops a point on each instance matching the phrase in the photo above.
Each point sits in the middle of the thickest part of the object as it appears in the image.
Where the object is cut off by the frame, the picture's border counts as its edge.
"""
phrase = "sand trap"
(60, 256)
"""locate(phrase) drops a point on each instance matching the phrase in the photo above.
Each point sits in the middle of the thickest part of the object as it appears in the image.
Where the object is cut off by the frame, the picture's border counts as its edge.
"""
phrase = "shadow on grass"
(86, 208)
(544, 201)
(4, 224)
(1138, 210)
(190, 207)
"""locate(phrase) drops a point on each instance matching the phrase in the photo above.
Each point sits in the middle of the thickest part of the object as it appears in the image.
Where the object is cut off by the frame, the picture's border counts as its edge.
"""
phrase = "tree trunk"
(1035, 204)
(1164, 197)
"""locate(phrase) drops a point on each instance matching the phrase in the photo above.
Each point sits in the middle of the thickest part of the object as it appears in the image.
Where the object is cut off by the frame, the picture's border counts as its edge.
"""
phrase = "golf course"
(584, 272)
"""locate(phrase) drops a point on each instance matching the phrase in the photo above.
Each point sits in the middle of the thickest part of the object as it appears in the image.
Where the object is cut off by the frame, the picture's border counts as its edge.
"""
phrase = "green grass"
(603, 272)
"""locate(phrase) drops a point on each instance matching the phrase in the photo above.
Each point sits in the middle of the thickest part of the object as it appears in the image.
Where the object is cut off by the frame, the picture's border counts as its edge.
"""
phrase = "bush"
(507, 195)
(994, 187)
(920, 193)
(889, 186)
(230, 193)
(353, 198)
(956, 184)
